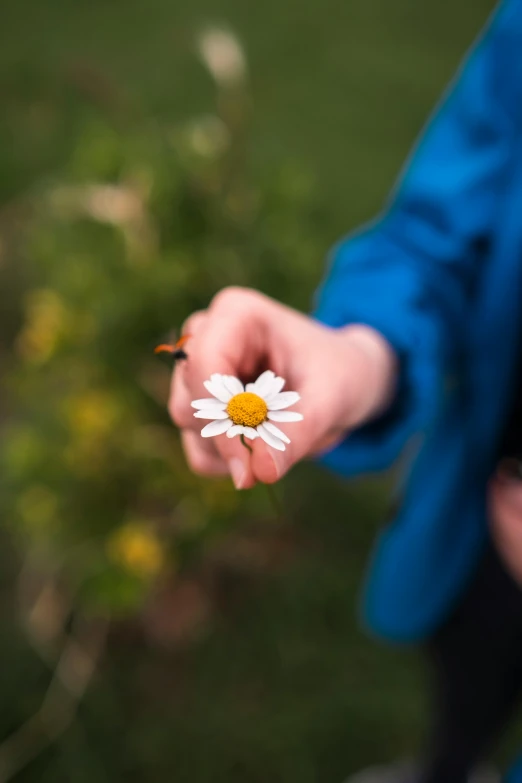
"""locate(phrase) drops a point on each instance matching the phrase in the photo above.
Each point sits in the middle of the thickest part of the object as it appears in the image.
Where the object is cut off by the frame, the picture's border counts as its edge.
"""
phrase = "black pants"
(476, 660)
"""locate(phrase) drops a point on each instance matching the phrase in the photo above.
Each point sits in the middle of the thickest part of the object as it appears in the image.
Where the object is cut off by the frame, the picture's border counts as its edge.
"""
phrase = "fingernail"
(237, 471)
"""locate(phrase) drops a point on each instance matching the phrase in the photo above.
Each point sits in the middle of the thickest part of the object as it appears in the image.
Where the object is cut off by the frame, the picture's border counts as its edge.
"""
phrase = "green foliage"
(143, 224)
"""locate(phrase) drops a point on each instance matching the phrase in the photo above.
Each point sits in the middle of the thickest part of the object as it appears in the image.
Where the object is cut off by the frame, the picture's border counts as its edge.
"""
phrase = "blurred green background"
(157, 626)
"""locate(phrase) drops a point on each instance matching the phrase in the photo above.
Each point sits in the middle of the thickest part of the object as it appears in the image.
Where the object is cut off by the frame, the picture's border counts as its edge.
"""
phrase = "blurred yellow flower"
(135, 547)
(46, 319)
(92, 413)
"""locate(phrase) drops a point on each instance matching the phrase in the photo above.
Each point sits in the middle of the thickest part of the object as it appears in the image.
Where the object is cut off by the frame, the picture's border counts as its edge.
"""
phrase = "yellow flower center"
(247, 409)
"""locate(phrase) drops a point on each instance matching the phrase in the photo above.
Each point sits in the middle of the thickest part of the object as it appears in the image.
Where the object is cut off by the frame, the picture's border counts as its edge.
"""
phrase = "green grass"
(283, 688)
(343, 85)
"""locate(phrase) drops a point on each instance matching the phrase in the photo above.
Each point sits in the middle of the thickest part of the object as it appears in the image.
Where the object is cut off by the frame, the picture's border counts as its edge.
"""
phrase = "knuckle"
(234, 298)
(194, 322)
(200, 458)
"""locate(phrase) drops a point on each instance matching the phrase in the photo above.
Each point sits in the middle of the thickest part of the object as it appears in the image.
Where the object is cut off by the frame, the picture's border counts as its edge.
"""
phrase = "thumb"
(302, 438)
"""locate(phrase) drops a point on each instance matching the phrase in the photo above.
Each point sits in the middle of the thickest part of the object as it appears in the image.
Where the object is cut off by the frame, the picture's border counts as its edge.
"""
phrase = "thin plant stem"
(245, 444)
(273, 497)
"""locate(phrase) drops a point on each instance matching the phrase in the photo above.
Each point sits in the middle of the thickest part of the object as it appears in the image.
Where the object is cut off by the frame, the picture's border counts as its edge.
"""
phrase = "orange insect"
(176, 351)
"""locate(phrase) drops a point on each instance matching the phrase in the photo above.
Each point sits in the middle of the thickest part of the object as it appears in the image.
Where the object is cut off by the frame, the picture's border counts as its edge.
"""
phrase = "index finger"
(224, 341)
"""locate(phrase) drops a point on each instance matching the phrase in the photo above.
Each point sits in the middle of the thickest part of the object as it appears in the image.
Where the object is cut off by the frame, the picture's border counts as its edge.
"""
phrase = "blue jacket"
(440, 275)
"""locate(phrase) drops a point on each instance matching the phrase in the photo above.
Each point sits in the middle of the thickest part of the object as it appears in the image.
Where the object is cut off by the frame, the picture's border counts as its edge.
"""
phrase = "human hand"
(344, 376)
(505, 515)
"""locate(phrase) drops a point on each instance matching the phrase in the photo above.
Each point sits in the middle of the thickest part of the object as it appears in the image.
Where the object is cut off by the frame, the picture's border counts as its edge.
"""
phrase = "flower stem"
(273, 497)
(245, 444)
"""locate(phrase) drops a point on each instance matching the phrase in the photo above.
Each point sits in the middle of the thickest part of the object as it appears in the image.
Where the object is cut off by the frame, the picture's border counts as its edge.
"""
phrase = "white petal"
(216, 428)
(284, 416)
(214, 413)
(210, 402)
(263, 382)
(273, 388)
(276, 432)
(269, 438)
(250, 387)
(237, 429)
(216, 387)
(233, 385)
(268, 374)
(282, 400)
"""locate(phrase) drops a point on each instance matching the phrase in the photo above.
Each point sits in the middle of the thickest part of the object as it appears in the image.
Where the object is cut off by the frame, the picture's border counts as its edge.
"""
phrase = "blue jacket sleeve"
(411, 274)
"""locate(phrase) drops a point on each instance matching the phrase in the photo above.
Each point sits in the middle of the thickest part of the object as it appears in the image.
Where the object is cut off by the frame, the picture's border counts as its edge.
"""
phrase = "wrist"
(373, 368)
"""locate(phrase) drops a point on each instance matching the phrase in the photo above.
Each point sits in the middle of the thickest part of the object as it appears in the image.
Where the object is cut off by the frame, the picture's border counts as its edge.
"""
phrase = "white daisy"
(249, 410)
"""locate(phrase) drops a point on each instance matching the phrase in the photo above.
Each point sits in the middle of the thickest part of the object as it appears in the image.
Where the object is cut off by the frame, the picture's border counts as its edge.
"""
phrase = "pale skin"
(505, 499)
(345, 377)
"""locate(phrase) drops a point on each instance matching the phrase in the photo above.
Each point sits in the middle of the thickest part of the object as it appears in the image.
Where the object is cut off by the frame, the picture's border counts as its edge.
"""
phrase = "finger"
(215, 346)
(229, 342)
(180, 396)
(269, 464)
(307, 437)
(209, 456)
(329, 410)
(237, 458)
(201, 455)
(233, 339)
(195, 321)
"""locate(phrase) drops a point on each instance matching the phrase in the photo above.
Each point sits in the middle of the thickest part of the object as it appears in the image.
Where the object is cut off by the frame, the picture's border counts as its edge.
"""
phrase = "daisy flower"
(249, 410)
